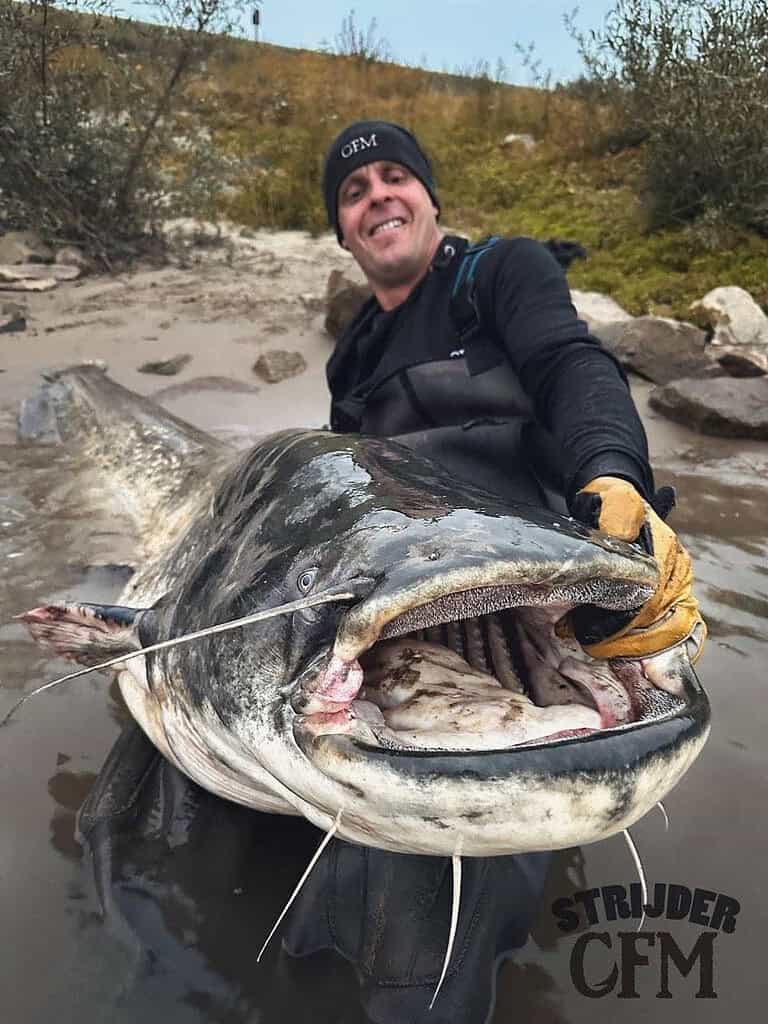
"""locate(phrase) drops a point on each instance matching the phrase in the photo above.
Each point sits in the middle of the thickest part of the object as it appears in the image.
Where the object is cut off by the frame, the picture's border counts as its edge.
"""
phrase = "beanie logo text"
(357, 144)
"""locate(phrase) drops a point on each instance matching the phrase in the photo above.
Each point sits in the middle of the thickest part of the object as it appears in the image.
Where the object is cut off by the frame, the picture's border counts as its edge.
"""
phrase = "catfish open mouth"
(487, 669)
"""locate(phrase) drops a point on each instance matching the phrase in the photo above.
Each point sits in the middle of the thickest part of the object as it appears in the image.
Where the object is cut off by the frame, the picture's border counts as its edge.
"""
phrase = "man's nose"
(380, 190)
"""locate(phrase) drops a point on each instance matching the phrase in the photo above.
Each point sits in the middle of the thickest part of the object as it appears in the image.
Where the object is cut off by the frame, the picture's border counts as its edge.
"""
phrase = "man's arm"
(581, 395)
(579, 391)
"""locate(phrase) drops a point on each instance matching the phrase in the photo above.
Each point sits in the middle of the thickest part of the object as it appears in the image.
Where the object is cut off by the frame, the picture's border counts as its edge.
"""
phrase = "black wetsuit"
(527, 402)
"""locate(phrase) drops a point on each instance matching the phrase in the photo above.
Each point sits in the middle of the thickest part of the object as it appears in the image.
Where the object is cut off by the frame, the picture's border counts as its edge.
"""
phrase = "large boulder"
(726, 407)
(595, 308)
(24, 247)
(659, 349)
(733, 315)
(344, 298)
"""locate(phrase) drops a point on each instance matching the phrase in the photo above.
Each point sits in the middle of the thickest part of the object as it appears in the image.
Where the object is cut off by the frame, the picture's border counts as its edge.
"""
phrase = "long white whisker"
(639, 865)
(456, 862)
(318, 853)
(222, 627)
(663, 810)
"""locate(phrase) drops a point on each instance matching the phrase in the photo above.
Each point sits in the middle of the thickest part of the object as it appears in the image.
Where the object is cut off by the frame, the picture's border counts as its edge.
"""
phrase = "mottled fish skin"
(308, 512)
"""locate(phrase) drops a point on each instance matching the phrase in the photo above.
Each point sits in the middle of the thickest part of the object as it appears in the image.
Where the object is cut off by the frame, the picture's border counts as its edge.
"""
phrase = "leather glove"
(672, 614)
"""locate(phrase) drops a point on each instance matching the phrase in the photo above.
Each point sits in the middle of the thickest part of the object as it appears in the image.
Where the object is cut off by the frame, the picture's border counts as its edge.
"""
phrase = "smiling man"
(475, 356)
(387, 217)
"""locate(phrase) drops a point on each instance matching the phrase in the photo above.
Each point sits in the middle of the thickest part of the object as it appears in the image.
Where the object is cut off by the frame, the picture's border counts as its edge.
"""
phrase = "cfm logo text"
(635, 950)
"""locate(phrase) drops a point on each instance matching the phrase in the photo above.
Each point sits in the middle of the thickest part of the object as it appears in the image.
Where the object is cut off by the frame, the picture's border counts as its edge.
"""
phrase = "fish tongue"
(431, 698)
(394, 668)
(611, 698)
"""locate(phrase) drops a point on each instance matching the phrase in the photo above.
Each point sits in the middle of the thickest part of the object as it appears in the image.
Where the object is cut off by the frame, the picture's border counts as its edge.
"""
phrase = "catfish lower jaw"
(571, 791)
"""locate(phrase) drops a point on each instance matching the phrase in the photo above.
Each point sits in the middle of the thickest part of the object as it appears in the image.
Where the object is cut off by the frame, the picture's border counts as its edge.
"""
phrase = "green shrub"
(689, 80)
(89, 142)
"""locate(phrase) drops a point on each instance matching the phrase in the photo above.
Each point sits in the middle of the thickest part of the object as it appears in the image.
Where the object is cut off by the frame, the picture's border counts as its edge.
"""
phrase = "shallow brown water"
(62, 964)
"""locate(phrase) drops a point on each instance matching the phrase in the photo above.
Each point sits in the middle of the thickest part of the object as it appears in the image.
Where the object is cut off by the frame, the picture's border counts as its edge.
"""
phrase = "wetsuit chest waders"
(468, 411)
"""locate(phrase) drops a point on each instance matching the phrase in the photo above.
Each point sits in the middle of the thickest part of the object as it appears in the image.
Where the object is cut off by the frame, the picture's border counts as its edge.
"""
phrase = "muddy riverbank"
(57, 540)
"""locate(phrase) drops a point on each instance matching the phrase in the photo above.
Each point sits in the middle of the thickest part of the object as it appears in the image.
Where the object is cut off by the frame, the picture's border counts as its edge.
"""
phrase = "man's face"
(388, 223)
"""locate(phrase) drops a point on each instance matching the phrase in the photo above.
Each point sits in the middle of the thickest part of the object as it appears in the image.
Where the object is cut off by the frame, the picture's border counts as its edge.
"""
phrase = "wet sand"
(56, 541)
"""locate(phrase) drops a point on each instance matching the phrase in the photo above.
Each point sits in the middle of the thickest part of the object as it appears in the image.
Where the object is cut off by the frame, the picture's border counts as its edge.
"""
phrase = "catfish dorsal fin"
(85, 633)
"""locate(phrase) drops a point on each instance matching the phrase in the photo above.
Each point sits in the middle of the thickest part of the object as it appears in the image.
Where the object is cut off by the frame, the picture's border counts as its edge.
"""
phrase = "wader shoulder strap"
(464, 311)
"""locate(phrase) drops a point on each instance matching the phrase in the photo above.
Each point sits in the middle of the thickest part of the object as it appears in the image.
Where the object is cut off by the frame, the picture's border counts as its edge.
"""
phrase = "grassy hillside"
(275, 110)
(267, 114)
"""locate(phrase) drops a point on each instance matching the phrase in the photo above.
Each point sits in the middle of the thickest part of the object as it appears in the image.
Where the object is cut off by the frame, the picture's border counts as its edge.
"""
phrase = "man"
(498, 380)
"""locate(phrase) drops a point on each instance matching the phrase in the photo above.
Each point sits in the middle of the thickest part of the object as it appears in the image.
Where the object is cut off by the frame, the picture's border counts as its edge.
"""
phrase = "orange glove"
(672, 614)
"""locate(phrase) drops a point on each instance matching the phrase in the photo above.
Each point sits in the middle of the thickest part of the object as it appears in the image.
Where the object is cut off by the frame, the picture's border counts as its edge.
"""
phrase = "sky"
(449, 34)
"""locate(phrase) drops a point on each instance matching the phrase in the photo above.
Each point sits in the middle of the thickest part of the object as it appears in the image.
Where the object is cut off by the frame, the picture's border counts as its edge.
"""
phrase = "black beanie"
(364, 142)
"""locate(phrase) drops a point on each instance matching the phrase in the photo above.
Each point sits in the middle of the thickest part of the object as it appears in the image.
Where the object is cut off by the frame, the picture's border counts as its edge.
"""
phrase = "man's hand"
(672, 614)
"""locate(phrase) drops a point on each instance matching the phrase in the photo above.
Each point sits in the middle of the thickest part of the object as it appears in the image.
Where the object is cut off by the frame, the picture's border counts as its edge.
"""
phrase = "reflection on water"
(189, 906)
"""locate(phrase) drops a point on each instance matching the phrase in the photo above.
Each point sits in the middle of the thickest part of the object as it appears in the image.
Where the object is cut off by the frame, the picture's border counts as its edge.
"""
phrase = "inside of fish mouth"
(503, 678)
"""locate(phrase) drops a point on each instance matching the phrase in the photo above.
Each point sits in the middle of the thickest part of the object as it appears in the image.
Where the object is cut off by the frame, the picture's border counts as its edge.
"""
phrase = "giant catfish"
(437, 703)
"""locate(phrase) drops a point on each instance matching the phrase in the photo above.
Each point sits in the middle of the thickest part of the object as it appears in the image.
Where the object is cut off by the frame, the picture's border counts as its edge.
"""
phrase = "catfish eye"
(305, 581)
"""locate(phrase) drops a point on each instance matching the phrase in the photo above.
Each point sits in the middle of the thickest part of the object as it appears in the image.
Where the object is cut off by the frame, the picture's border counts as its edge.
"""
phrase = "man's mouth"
(387, 225)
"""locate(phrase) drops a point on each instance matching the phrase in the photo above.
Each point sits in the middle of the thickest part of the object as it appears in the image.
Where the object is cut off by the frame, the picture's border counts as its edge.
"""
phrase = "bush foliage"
(88, 133)
(689, 80)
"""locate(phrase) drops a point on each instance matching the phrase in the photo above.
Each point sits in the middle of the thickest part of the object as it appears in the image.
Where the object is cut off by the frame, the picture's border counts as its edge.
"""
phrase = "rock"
(611, 334)
(659, 349)
(276, 364)
(344, 297)
(38, 272)
(740, 361)
(166, 367)
(28, 285)
(71, 256)
(596, 308)
(13, 317)
(197, 384)
(734, 316)
(37, 420)
(24, 247)
(525, 140)
(726, 407)
(14, 321)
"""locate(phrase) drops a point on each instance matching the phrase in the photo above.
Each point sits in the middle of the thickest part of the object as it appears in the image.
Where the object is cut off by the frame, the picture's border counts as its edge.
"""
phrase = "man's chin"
(393, 265)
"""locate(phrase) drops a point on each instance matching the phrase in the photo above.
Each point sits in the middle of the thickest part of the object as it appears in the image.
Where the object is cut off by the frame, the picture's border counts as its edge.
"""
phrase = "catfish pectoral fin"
(85, 633)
